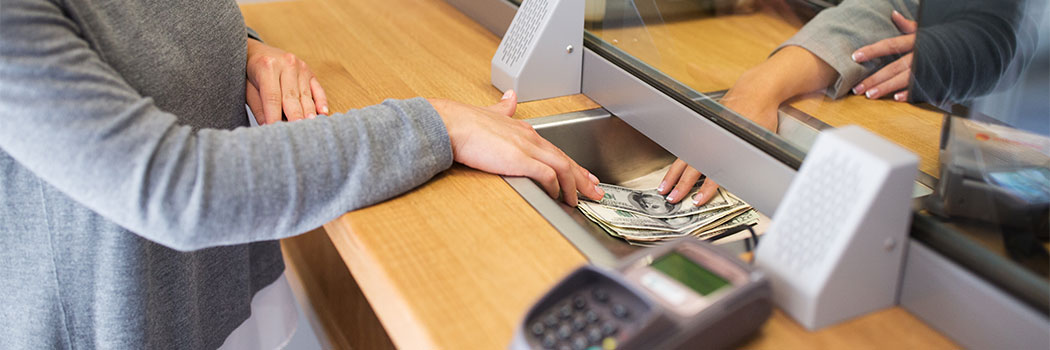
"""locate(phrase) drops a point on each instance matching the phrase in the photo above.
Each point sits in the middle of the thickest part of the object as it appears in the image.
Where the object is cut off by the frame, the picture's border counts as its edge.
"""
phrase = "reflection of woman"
(136, 214)
(968, 48)
(817, 57)
(865, 46)
(650, 203)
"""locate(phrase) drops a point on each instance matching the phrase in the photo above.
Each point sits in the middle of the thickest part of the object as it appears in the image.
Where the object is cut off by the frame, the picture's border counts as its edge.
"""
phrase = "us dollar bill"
(749, 217)
(631, 221)
(654, 205)
(645, 237)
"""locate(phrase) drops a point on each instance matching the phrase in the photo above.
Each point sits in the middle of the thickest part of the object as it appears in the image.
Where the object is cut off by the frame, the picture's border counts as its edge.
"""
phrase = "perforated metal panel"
(541, 55)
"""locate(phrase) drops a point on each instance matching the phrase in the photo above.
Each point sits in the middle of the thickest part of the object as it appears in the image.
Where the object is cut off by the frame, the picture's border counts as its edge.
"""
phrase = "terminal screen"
(689, 273)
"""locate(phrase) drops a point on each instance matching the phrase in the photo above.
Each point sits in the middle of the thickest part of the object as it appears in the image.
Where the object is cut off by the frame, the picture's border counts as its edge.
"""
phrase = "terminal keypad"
(591, 319)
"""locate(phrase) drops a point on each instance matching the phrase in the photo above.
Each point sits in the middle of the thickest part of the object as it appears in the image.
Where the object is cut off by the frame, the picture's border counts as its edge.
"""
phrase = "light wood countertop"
(454, 263)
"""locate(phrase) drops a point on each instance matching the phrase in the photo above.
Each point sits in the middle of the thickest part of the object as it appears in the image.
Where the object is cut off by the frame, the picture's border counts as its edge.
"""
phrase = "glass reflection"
(991, 65)
(895, 67)
(776, 64)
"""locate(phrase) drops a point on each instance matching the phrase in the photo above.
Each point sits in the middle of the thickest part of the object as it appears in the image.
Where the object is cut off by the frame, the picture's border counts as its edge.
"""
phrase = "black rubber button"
(550, 320)
(564, 331)
(591, 316)
(620, 311)
(565, 311)
(579, 302)
(549, 341)
(579, 322)
(538, 328)
(594, 334)
(610, 328)
(579, 343)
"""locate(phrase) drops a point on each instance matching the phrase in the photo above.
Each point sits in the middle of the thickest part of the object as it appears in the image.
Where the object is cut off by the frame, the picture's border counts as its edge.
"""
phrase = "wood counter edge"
(389, 305)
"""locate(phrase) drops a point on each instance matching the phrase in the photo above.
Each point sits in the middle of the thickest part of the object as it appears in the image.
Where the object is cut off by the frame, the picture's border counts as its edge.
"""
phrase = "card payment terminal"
(686, 294)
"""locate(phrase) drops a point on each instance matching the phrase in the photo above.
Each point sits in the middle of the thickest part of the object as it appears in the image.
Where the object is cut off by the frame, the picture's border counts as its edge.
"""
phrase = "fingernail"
(899, 96)
(671, 197)
(857, 90)
(325, 110)
(600, 191)
(697, 198)
(871, 92)
(857, 56)
(663, 185)
(311, 116)
(897, 13)
(507, 94)
(594, 179)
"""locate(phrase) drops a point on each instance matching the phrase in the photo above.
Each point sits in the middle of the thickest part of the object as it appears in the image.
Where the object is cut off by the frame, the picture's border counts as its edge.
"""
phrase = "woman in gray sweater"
(137, 212)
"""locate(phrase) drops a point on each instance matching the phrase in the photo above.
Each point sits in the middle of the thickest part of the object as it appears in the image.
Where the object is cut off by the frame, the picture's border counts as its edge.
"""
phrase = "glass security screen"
(777, 72)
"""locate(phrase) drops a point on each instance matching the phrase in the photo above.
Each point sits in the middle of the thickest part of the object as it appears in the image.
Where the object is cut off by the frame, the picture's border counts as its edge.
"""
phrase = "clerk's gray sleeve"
(836, 32)
(74, 122)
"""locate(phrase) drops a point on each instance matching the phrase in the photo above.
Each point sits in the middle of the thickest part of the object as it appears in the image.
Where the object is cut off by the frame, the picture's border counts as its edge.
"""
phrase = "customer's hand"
(893, 78)
(486, 138)
(279, 82)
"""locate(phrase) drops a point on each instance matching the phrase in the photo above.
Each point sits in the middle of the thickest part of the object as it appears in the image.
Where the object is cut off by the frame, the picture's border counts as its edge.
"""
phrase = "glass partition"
(989, 64)
(931, 76)
(714, 47)
(776, 72)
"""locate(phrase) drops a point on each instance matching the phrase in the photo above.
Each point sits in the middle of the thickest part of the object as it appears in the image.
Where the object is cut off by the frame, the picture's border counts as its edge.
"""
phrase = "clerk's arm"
(757, 95)
(790, 72)
(815, 58)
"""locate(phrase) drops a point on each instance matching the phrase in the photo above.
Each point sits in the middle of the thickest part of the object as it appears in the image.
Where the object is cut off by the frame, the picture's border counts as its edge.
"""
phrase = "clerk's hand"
(681, 177)
(486, 138)
(279, 82)
(756, 95)
(679, 181)
(893, 78)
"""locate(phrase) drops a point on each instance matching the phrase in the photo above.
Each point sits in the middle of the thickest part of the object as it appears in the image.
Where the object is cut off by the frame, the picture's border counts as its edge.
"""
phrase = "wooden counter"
(454, 263)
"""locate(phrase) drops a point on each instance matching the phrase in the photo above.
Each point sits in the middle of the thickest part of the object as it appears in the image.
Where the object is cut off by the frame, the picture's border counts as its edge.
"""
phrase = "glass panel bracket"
(541, 55)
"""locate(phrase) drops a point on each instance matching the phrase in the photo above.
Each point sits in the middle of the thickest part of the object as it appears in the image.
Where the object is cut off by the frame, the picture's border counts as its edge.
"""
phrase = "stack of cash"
(644, 217)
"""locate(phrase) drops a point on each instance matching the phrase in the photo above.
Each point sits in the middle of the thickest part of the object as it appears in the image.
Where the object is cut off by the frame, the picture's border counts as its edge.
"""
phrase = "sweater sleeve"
(77, 125)
(836, 32)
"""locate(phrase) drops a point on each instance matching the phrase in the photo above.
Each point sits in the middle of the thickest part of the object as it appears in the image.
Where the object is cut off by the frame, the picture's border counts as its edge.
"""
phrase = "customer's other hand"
(486, 138)
(893, 78)
(279, 82)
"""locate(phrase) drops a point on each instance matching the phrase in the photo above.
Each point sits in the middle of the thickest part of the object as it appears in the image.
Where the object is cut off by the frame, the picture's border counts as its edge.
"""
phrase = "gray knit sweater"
(130, 193)
(835, 33)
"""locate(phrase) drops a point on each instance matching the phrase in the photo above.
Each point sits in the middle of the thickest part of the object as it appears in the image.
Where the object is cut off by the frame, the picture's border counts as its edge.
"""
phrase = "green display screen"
(689, 273)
